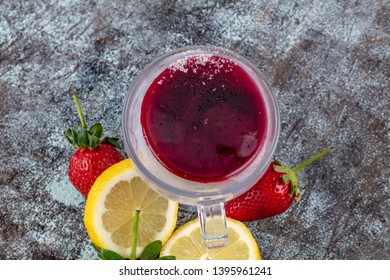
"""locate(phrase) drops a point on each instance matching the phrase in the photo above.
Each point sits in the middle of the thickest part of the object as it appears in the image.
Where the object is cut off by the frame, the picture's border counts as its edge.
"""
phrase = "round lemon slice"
(186, 244)
(111, 204)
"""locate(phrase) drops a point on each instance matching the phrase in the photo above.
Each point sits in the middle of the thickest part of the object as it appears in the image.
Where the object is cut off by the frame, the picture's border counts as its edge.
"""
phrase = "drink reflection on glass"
(201, 125)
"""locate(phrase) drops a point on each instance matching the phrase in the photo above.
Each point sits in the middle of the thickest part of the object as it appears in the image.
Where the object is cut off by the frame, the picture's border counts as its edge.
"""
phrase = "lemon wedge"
(186, 244)
(111, 205)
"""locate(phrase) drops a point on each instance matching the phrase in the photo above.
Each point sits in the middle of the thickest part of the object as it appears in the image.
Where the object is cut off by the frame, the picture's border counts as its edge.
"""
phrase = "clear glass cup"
(208, 197)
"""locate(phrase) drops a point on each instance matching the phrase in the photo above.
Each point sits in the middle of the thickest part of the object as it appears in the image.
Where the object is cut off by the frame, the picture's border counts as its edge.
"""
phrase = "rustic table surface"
(329, 66)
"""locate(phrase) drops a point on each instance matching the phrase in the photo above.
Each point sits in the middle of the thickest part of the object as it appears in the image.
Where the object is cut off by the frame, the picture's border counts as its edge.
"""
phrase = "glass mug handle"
(213, 226)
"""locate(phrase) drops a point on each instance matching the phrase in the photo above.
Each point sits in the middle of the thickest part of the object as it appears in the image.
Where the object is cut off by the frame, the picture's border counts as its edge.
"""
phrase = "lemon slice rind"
(95, 209)
(186, 244)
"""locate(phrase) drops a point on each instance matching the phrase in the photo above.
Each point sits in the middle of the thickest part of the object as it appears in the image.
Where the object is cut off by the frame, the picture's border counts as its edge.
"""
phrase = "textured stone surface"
(328, 63)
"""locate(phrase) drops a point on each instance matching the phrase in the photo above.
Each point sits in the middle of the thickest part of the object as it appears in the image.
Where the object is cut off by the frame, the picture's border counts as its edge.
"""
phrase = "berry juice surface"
(203, 118)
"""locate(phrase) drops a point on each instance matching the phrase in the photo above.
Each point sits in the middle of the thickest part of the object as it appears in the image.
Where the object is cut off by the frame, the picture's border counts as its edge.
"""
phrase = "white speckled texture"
(328, 63)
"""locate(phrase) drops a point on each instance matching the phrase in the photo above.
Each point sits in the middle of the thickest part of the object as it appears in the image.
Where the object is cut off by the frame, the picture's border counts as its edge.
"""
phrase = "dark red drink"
(204, 118)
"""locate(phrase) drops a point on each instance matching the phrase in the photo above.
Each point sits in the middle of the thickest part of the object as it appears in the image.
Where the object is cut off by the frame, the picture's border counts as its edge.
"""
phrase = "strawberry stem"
(310, 160)
(133, 253)
(79, 111)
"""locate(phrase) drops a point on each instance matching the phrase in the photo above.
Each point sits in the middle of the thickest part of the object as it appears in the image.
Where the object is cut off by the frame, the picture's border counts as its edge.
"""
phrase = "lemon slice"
(186, 244)
(111, 204)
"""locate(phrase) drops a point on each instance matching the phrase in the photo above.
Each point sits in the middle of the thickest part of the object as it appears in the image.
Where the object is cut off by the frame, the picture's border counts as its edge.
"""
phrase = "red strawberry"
(271, 195)
(93, 155)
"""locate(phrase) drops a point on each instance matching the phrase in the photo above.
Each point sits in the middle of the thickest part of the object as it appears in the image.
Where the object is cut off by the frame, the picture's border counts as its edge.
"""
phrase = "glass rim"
(205, 197)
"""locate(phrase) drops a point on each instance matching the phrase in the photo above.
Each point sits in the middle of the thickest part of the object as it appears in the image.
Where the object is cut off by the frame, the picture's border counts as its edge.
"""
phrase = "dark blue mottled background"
(328, 63)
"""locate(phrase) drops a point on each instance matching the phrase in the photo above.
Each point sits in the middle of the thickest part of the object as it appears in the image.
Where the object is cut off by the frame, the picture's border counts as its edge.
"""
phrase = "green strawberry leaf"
(96, 130)
(289, 176)
(286, 178)
(278, 161)
(152, 250)
(93, 141)
(113, 141)
(70, 137)
(82, 138)
(281, 168)
(110, 255)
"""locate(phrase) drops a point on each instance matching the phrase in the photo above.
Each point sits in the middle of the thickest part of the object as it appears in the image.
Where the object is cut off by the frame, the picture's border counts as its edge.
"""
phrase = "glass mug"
(209, 197)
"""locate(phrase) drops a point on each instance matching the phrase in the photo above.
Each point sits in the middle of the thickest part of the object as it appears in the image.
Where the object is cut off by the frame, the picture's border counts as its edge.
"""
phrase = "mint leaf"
(167, 258)
(152, 250)
(97, 249)
(110, 255)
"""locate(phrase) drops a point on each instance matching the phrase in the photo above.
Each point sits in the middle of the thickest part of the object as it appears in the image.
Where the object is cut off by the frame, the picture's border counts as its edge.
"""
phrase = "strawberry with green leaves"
(93, 154)
(271, 195)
